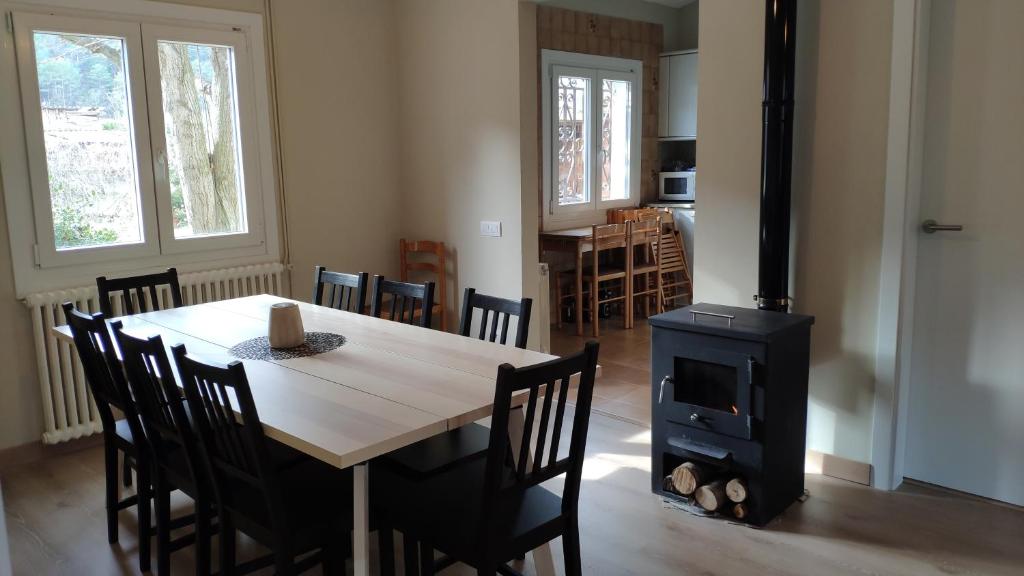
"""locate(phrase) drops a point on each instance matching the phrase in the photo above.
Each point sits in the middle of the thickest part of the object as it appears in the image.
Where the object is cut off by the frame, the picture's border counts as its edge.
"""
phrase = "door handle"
(931, 227)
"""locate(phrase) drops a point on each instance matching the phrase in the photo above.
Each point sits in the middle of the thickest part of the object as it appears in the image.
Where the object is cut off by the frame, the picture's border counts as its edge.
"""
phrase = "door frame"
(900, 231)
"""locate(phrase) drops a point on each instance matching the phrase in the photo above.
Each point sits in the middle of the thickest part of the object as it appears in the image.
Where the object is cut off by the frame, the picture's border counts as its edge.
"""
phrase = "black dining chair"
(495, 314)
(176, 464)
(443, 451)
(340, 290)
(292, 504)
(489, 511)
(410, 303)
(124, 436)
(133, 291)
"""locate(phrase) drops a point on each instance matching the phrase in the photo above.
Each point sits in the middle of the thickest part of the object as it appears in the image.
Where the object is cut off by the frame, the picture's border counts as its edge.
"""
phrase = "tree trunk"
(224, 150)
(206, 184)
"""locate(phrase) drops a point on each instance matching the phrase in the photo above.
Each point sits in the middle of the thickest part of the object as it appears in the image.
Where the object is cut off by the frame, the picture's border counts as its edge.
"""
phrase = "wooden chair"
(645, 278)
(444, 451)
(134, 290)
(438, 267)
(677, 288)
(488, 511)
(499, 311)
(623, 215)
(292, 504)
(409, 303)
(604, 238)
(125, 436)
(175, 463)
(346, 291)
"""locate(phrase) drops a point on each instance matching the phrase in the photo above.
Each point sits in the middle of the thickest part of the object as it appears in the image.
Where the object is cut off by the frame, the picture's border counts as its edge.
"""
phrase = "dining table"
(388, 386)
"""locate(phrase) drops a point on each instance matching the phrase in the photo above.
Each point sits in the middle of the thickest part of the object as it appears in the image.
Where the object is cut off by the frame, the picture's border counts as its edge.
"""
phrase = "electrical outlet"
(490, 228)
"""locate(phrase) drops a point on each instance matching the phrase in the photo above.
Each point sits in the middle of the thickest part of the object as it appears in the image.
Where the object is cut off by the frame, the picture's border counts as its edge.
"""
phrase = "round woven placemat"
(259, 348)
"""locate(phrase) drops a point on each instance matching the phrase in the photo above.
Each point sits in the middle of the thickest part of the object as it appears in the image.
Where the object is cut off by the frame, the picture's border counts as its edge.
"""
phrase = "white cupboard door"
(682, 118)
(664, 74)
(966, 429)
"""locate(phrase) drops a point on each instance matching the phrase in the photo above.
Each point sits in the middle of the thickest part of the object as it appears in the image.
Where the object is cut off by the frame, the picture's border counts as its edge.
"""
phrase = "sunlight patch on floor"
(600, 465)
(641, 438)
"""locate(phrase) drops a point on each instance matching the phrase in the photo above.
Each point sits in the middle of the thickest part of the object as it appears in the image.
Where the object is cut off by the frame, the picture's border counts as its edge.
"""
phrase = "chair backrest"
(646, 232)
(622, 215)
(438, 266)
(134, 290)
(495, 311)
(554, 376)
(410, 303)
(340, 290)
(233, 448)
(158, 399)
(102, 368)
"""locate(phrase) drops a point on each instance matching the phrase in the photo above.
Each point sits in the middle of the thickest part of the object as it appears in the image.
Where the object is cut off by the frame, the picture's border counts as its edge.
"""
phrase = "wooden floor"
(55, 518)
(624, 389)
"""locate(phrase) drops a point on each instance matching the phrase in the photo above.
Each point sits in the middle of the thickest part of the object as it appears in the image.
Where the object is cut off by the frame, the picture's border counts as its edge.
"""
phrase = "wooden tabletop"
(569, 233)
(390, 385)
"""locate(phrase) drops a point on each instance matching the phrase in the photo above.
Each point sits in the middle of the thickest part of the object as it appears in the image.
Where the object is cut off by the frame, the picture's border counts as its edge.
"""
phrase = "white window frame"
(37, 264)
(597, 68)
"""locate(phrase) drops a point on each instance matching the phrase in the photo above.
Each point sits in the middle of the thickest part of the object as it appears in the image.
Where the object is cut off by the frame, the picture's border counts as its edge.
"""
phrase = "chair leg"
(227, 543)
(126, 472)
(203, 536)
(162, 497)
(409, 555)
(110, 463)
(558, 300)
(595, 318)
(426, 559)
(571, 547)
(386, 539)
(145, 511)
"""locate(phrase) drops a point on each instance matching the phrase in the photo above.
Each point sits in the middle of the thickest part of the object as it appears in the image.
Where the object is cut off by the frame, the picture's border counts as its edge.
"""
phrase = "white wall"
(458, 63)
(838, 185)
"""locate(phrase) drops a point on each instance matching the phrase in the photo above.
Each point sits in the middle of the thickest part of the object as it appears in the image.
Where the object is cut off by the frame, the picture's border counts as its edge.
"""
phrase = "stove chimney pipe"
(776, 155)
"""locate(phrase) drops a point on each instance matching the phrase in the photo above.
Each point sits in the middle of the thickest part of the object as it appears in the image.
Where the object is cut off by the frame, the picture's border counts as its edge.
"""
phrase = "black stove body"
(729, 391)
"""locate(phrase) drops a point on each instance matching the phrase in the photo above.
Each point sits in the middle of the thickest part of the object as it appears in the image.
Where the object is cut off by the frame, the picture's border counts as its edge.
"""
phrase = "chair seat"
(317, 498)
(445, 510)
(439, 453)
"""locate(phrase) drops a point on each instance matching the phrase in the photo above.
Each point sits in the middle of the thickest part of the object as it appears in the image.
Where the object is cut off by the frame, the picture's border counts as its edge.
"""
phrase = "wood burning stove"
(730, 396)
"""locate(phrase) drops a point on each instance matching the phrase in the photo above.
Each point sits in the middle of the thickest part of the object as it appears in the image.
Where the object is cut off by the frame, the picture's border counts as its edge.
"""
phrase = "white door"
(966, 426)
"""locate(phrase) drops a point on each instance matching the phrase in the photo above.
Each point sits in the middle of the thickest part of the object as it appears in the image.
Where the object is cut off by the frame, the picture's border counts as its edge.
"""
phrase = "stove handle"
(661, 390)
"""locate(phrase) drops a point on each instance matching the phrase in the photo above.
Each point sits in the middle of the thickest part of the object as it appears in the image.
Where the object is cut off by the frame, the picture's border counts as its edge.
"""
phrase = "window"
(147, 144)
(591, 117)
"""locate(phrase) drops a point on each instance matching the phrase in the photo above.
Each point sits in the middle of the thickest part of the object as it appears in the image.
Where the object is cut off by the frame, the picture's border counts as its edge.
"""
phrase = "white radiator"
(68, 408)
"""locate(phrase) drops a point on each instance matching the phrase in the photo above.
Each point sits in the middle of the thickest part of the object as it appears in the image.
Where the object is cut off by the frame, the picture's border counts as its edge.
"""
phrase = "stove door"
(709, 389)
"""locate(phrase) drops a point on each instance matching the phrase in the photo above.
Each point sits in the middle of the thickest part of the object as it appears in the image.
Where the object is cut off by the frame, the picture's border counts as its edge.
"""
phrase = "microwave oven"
(678, 186)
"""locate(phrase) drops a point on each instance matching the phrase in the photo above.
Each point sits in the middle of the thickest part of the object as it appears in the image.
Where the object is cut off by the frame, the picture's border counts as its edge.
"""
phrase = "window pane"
(616, 116)
(201, 126)
(573, 94)
(87, 131)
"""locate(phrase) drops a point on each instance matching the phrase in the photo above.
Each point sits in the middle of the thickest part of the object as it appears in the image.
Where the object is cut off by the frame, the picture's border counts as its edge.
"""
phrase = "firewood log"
(711, 496)
(736, 490)
(687, 477)
(739, 510)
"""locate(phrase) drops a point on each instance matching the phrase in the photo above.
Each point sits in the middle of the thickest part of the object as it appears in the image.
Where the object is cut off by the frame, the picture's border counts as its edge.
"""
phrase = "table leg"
(579, 290)
(361, 520)
(543, 562)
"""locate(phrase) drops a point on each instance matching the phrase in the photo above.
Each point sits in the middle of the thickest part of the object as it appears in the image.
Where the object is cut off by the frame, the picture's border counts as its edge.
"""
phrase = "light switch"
(490, 228)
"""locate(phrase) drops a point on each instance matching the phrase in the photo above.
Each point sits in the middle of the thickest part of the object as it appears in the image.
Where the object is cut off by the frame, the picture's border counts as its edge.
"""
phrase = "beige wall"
(529, 152)
(838, 184)
(337, 98)
(458, 63)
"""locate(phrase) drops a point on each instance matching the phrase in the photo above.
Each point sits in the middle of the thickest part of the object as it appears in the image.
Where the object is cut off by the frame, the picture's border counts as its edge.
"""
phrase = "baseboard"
(19, 456)
(837, 467)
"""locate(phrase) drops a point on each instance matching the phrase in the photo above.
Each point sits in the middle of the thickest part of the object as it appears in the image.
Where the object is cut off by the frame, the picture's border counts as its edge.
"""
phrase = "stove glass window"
(706, 384)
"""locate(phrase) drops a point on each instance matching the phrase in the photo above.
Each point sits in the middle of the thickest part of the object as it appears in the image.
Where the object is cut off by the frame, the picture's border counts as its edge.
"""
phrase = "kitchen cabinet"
(677, 97)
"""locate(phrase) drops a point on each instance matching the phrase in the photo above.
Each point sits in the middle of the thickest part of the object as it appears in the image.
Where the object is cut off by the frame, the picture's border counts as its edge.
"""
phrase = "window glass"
(616, 116)
(201, 127)
(90, 148)
(571, 139)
